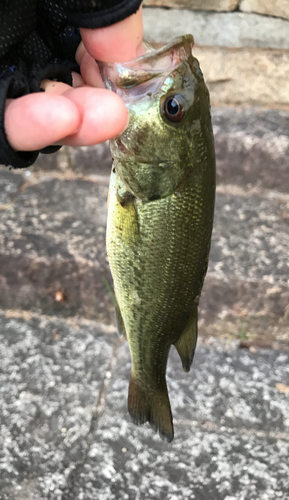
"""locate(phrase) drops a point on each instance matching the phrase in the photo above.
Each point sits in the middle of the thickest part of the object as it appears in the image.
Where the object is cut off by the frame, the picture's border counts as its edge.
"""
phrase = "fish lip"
(141, 69)
(177, 42)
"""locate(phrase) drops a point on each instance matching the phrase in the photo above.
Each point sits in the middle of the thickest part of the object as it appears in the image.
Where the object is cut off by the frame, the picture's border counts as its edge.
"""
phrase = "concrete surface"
(277, 8)
(274, 8)
(66, 434)
(220, 5)
(64, 429)
(229, 29)
(244, 57)
(52, 232)
(245, 76)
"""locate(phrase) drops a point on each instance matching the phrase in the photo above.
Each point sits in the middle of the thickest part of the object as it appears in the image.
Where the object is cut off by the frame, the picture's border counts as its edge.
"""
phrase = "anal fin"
(150, 405)
(186, 344)
(119, 321)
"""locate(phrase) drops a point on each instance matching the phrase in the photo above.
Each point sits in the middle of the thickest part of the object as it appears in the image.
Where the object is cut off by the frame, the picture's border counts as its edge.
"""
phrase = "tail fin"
(153, 406)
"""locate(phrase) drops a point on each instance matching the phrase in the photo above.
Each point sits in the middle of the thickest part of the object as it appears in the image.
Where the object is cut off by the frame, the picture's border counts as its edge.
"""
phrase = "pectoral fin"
(119, 321)
(127, 218)
(186, 344)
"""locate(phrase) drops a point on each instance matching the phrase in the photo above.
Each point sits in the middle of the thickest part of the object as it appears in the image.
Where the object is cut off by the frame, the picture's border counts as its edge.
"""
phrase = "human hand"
(86, 113)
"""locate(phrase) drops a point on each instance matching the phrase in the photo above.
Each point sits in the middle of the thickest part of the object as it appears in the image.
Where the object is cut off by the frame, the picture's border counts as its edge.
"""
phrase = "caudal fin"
(153, 406)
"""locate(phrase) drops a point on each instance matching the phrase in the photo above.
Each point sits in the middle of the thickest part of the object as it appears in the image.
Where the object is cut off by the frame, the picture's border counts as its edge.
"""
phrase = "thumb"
(120, 42)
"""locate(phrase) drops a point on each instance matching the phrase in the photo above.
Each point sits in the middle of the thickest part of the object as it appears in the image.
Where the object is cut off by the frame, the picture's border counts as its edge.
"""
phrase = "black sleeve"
(97, 14)
(38, 40)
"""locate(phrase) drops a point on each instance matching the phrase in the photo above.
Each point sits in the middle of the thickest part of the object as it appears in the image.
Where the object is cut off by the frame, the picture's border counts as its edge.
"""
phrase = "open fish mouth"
(155, 63)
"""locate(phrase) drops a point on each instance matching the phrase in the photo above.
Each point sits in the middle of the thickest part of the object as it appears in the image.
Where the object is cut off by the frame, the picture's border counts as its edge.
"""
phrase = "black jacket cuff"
(106, 17)
(14, 85)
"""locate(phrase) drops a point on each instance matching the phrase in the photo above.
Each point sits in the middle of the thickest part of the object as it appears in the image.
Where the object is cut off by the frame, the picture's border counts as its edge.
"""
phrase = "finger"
(90, 72)
(88, 67)
(120, 42)
(38, 120)
(81, 50)
(59, 88)
(103, 116)
(56, 88)
(77, 80)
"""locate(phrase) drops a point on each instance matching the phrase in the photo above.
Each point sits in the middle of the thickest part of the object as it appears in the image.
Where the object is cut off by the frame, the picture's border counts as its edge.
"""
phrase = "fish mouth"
(155, 63)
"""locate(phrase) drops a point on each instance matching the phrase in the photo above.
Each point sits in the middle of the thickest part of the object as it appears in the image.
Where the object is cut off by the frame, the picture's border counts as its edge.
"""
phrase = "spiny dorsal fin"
(153, 406)
(186, 344)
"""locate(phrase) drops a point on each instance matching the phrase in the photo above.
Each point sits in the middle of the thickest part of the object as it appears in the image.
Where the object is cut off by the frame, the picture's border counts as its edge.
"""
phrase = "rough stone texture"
(274, 8)
(52, 239)
(218, 445)
(248, 270)
(232, 29)
(66, 434)
(250, 144)
(245, 76)
(220, 5)
(278, 8)
(51, 379)
(93, 160)
(57, 161)
(65, 252)
(10, 184)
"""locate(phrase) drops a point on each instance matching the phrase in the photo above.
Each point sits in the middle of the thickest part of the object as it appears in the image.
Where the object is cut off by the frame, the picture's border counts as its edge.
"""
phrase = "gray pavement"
(228, 29)
(64, 429)
(66, 434)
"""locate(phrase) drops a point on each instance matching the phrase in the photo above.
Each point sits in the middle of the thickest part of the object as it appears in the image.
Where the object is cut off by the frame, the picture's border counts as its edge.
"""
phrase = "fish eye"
(173, 108)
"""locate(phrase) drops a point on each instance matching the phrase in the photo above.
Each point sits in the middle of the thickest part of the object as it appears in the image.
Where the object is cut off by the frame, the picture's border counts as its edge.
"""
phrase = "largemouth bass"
(160, 217)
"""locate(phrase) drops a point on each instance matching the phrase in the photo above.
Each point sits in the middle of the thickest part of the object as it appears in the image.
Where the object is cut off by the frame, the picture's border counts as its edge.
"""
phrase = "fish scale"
(160, 218)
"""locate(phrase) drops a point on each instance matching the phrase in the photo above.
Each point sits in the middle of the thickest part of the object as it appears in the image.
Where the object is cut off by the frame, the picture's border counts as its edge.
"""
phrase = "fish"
(160, 217)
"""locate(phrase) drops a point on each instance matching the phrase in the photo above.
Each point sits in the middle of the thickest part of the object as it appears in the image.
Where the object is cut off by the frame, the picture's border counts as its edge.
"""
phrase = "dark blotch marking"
(125, 198)
(154, 197)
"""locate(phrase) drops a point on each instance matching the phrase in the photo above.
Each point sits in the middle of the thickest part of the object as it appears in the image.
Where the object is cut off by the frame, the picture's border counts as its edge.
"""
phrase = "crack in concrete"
(247, 192)
(212, 427)
(69, 175)
(101, 400)
(99, 409)
(72, 321)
